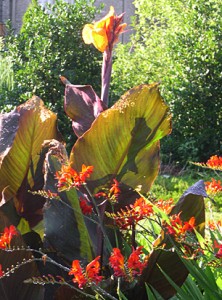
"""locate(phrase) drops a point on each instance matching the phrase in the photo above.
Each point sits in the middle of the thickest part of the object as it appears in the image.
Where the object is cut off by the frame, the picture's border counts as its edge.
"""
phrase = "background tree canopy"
(180, 45)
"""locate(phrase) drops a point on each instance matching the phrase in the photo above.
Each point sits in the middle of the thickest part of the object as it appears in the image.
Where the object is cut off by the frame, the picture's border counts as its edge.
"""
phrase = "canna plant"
(70, 215)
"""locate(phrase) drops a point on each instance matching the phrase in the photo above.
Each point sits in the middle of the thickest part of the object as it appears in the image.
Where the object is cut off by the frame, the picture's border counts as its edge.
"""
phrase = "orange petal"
(100, 39)
(87, 33)
(105, 22)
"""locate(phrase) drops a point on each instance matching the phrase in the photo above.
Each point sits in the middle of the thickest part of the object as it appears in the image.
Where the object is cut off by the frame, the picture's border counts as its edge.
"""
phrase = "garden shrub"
(178, 45)
(49, 45)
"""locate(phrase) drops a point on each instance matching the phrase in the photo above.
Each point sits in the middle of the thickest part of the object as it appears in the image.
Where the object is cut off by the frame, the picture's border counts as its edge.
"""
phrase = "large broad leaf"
(190, 204)
(123, 141)
(31, 124)
(65, 230)
(82, 105)
(9, 123)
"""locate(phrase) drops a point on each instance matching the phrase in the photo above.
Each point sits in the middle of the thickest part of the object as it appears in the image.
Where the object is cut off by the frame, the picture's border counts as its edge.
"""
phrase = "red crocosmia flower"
(101, 195)
(218, 246)
(213, 186)
(131, 268)
(215, 162)
(85, 173)
(68, 177)
(134, 263)
(213, 225)
(7, 235)
(178, 228)
(142, 207)
(115, 188)
(1, 272)
(116, 261)
(86, 208)
(132, 215)
(90, 275)
(165, 205)
(114, 191)
(188, 226)
(77, 272)
(93, 270)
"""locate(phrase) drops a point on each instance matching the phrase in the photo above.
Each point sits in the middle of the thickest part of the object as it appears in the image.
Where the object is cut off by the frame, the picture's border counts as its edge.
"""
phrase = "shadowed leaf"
(65, 230)
(82, 105)
(9, 123)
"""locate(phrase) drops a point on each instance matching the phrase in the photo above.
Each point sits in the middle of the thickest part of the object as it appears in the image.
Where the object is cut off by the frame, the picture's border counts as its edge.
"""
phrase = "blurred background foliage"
(49, 45)
(180, 46)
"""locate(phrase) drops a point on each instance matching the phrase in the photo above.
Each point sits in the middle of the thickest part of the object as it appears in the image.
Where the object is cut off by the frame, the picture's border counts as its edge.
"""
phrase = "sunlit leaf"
(123, 142)
(31, 124)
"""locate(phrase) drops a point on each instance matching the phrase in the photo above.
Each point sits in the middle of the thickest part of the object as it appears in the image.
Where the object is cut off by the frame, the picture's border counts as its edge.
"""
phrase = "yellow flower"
(104, 33)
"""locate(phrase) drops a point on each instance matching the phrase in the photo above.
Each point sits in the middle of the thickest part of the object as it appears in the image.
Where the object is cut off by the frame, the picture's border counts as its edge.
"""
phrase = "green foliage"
(179, 45)
(6, 71)
(49, 45)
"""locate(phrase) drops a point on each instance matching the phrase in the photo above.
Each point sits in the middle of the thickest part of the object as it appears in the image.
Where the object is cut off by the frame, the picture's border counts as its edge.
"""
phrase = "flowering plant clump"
(80, 216)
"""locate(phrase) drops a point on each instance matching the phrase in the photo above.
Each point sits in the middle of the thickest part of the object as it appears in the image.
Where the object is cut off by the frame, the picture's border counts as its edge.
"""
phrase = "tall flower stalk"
(103, 35)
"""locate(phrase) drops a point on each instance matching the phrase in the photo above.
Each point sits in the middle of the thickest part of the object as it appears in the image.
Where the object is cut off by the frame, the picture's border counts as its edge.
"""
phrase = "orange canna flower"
(104, 33)
(7, 235)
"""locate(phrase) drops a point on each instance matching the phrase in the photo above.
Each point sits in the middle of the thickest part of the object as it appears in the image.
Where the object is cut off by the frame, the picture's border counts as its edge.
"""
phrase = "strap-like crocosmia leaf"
(123, 142)
(31, 123)
(82, 105)
(191, 204)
